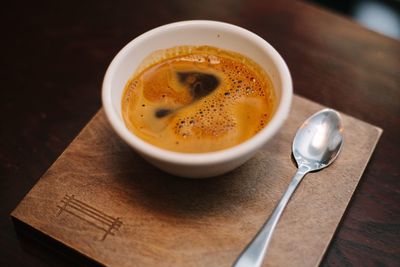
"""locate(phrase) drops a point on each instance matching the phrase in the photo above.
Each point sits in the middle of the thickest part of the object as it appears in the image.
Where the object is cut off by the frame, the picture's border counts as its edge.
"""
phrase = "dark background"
(54, 56)
(382, 16)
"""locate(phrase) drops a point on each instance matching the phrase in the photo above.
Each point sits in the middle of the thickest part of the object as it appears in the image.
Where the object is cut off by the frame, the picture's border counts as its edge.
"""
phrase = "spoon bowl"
(319, 140)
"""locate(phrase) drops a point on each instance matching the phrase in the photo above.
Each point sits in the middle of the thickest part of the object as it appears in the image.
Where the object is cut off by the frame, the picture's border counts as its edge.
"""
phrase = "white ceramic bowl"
(197, 32)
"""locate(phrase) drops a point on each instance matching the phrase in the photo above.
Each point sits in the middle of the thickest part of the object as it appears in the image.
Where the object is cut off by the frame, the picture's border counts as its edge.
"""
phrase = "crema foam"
(197, 99)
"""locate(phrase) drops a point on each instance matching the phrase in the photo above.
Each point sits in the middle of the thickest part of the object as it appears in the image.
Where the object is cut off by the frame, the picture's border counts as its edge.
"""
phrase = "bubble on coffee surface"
(204, 100)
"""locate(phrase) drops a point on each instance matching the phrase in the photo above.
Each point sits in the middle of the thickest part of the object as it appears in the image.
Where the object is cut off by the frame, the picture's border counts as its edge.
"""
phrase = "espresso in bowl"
(197, 98)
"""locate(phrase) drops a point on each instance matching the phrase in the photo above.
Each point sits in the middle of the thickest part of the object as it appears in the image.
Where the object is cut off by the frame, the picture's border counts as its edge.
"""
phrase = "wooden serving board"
(104, 201)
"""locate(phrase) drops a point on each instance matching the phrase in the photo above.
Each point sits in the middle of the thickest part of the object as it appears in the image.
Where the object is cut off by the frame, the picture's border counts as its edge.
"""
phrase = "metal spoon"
(316, 145)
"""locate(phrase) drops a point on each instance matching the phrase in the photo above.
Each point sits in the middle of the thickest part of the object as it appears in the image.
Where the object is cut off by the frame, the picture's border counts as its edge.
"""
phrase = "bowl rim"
(204, 158)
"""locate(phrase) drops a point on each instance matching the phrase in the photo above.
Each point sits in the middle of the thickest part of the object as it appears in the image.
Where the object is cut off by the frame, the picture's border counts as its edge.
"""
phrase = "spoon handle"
(253, 254)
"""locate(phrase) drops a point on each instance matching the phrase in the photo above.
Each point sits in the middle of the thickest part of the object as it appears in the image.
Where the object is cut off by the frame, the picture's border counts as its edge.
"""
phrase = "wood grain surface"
(54, 56)
(103, 200)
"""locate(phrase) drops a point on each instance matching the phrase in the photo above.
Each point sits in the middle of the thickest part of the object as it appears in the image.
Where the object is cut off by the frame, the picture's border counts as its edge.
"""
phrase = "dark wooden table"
(54, 56)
